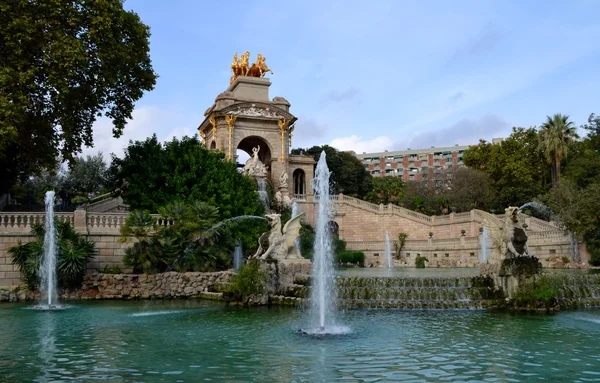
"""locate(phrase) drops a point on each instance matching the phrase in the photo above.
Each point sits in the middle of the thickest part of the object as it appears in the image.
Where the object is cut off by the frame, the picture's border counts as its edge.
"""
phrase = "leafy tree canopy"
(516, 166)
(348, 174)
(386, 190)
(62, 65)
(152, 175)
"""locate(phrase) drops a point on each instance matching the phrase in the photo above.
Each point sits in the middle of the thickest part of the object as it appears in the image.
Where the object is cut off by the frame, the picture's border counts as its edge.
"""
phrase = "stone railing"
(105, 222)
(105, 205)
(300, 197)
(390, 208)
(536, 224)
(23, 222)
(542, 236)
(82, 221)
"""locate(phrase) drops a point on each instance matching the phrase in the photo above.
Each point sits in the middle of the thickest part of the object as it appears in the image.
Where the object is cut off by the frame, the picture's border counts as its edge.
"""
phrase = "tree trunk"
(557, 169)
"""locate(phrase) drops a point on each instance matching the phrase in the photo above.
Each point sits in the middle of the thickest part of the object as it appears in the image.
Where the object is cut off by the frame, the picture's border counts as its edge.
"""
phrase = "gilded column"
(214, 129)
(202, 135)
(230, 121)
(291, 135)
(282, 125)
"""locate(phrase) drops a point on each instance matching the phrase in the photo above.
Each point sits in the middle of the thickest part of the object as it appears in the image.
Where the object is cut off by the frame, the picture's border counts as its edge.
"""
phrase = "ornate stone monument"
(243, 117)
(510, 264)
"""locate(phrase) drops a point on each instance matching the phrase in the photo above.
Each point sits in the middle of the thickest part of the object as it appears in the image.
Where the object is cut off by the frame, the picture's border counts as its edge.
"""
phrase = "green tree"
(470, 189)
(386, 190)
(348, 174)
(152, 175)
(86, 176)
(62, 65)
(516, 167)
(555, 135)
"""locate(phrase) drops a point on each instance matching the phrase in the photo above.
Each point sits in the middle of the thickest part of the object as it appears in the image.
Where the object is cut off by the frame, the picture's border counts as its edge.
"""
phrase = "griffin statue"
(278, 244)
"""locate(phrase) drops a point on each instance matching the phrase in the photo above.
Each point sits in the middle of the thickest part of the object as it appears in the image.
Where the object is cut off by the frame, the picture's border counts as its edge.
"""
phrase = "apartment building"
(414, 164)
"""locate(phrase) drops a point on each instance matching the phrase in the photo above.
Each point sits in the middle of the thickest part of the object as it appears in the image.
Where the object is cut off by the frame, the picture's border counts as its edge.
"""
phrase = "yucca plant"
(73, 254)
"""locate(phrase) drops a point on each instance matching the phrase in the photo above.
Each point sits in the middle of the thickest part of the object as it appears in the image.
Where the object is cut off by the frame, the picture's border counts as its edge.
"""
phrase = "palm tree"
(555, 136)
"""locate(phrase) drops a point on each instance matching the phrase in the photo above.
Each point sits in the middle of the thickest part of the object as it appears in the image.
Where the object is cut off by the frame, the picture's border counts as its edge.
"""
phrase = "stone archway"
(334, 227)
(213, 145)
(299, 184)
(248, 143)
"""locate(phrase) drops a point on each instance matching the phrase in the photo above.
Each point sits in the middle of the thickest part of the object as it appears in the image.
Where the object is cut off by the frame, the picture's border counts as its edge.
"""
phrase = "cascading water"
(295, 212)
(388, 250)
(238, 257)
(484, 244)
(48, 267)
(262, 191)
(323, 289)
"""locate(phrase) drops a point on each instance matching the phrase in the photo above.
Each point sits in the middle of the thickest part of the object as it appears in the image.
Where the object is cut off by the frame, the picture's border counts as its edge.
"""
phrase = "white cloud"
(359, 145)
(146, 121)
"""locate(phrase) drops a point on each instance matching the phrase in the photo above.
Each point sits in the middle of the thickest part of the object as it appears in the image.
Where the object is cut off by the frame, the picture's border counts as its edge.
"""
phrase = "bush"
(545, 290)
(565, 259)
(250, 280)
(350, 257)
(420, 262)
(73, 254)
(191, 241)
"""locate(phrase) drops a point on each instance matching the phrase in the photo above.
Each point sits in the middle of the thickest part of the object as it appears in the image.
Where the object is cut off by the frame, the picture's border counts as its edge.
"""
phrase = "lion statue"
(277, 243)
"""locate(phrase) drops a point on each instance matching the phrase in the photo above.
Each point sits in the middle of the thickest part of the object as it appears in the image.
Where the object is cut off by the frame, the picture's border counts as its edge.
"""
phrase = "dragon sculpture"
(277, 243)
(508, 235)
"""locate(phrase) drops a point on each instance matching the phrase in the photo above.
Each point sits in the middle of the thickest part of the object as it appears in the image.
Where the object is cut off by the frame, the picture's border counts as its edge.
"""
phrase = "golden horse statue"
(240, 67)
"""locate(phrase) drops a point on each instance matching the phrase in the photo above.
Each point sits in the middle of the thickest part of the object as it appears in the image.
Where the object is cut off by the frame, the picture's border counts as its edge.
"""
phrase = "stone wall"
(144, 286)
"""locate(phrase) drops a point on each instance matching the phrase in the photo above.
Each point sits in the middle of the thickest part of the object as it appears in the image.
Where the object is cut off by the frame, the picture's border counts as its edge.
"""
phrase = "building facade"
(432, 164)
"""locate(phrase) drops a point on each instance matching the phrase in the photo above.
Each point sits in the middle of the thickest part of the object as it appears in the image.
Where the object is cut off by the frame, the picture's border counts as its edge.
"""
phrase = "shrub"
(565, 259)
(112, 270)
(73, 252)
(350, 257)
(248, 281)
(399, 245)
(543, 289)
(420, 262)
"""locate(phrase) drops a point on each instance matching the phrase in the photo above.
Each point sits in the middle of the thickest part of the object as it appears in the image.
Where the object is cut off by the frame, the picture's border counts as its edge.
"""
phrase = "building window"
(299, 183)
(552, 251)
(376, 254)
(407, 255)
(434, 255)
(447, 255)
(472, 254)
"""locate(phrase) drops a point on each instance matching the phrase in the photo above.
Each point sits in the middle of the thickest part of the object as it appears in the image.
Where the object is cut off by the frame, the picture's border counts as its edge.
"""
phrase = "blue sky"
(374, 75)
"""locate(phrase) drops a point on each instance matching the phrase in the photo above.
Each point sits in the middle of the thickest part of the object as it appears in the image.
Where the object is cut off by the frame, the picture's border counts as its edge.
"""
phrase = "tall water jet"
(238, 257)
(388, 250)
(484, 241)
(295, 212)
(262, 191)
(48, 267)
(323, 299)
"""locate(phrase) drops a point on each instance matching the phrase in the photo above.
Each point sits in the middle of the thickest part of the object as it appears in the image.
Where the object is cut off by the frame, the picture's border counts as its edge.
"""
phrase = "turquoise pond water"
(195, 341)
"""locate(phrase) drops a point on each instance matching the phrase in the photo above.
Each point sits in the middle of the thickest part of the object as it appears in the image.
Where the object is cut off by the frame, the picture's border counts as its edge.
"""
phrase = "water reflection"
(46, 346)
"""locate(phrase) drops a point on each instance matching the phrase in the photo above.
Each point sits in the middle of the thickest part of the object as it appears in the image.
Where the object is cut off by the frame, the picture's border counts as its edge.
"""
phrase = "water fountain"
(388, 251)
(295, 212)
(262, 191)
(323, 291)
(484, 244)
(238, 257)
(47, 271)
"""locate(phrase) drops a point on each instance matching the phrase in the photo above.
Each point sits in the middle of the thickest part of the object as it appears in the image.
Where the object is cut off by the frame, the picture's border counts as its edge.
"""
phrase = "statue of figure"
(235, 68)
(254, 167)
(244, 64)
(278, 244)
(283, 179)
